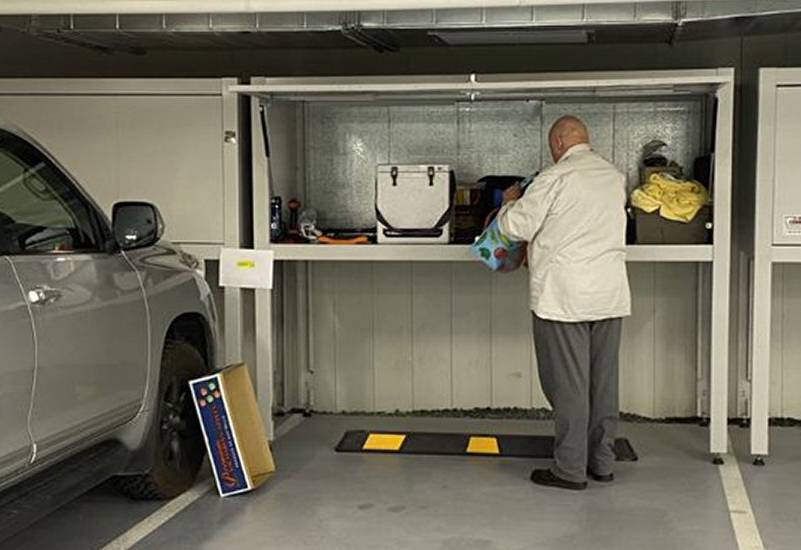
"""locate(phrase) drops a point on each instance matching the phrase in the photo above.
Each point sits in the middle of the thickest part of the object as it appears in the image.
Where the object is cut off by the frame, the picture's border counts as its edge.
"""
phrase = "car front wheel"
(179, 448)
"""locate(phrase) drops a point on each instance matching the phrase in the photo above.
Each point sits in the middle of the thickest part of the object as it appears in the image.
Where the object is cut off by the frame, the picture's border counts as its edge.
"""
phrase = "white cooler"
(414, 203)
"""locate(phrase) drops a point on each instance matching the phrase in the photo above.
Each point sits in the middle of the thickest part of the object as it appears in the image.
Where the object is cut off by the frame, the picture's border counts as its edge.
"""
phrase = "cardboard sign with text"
(243, 268)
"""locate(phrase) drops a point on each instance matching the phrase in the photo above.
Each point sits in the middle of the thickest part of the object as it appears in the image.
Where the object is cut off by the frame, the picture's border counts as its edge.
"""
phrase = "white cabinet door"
(170, 153)
(787, 168)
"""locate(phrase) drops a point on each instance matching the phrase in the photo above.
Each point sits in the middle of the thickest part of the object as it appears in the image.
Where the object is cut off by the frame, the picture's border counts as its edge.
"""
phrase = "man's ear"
(558, 148)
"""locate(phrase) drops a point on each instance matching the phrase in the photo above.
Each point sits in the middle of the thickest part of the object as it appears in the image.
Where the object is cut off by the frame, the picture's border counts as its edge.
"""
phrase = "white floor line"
(742, 515)
(171, 509)
(159, 517)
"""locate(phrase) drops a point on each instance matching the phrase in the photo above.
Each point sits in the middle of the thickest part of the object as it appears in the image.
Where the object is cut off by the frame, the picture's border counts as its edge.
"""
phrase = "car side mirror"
(136, 224)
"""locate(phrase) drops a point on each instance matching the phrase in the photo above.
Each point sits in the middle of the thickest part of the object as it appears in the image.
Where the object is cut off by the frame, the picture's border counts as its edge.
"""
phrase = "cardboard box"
(654, 229)
(233, 429)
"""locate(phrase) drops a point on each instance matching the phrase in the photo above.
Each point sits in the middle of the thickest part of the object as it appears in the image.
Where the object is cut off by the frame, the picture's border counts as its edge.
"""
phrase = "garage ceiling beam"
(43, 7)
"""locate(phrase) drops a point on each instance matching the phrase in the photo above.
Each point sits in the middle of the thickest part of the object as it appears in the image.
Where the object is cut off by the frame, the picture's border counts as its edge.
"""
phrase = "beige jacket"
(573, 217)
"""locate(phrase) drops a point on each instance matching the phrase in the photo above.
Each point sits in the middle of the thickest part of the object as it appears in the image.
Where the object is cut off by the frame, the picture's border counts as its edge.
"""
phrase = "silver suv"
(101, 327)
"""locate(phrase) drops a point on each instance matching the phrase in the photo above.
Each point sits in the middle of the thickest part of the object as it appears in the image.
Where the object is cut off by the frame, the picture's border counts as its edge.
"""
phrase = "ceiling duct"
(524, 22)
(376, 40)
(503, 37)
(94, 7)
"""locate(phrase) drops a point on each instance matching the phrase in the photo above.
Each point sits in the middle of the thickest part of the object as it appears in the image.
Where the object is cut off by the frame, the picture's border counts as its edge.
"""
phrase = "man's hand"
(512, 193)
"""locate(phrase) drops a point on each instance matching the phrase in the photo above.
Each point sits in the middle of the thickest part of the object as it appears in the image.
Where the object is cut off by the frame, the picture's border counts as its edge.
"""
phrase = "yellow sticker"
(483, 446)
(383, 442)
(246, 264)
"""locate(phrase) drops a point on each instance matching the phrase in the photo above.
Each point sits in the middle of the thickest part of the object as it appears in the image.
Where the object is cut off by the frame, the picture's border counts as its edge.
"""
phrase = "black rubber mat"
(429, 443)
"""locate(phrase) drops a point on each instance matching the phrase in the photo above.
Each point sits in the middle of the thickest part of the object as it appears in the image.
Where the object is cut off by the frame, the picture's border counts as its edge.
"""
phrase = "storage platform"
(461, 253)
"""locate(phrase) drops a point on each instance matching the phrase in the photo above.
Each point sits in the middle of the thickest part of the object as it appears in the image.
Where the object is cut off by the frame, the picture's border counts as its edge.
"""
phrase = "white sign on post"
(241, 268)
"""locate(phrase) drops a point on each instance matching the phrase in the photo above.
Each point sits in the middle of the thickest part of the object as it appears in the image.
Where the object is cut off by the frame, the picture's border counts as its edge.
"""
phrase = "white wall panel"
(79, 131)
(170, 149)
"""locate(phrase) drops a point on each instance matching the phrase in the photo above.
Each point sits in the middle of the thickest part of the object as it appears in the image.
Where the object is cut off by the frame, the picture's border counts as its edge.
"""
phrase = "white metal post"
(761, 286)
(719, 340)
(234, 345)
(261, 240)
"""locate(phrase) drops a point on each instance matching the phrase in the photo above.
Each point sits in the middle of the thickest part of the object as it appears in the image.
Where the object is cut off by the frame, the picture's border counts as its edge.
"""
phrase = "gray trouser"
(578, 366)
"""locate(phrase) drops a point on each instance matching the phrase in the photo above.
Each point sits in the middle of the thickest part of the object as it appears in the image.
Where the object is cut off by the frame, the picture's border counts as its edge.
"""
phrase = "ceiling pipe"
(63, 7)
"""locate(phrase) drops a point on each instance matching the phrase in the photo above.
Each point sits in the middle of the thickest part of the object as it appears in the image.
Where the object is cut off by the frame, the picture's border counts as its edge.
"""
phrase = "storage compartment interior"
(396, 328)
(324, 152)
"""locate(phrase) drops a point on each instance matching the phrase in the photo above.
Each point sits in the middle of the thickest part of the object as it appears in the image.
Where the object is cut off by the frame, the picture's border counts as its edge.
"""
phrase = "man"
(573, 217)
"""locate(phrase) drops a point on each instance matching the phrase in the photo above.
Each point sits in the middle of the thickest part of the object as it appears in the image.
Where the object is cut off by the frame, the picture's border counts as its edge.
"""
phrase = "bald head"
(566, 132)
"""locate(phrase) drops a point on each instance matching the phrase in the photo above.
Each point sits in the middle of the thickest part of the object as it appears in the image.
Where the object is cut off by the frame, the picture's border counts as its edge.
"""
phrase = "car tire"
(179, 448)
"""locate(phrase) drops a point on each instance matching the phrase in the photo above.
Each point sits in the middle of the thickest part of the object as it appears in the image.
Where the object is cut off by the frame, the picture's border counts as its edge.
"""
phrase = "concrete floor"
(88, 522)
(775, 490)
(672, 498)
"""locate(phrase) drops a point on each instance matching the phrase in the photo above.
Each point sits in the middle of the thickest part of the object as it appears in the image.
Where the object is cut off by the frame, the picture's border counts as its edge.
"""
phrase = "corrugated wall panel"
(402, 336)
(392, 326)
(785, 368)
(511, 341)
(471, 336)
(790, 307)
(637, 377)
(432, 336)
(354, 338)
(323, 340)
(675, 339)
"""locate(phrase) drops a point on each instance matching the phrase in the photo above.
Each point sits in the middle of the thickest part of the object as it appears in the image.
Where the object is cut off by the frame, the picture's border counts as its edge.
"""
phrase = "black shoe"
(548, 479)
(608, 478)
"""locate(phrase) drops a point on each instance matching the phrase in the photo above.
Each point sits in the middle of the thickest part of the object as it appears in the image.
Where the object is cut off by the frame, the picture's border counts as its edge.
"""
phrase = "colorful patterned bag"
(497, 251)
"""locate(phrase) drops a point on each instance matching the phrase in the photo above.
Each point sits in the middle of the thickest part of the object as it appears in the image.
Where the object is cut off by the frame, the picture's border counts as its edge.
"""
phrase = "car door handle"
(43, 295)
